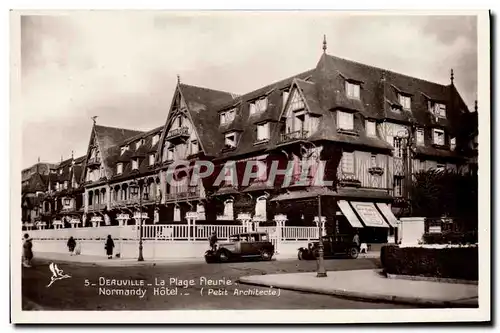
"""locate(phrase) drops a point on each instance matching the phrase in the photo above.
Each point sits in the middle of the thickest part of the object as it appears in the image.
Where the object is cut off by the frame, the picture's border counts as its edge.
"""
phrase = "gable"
(295, 102)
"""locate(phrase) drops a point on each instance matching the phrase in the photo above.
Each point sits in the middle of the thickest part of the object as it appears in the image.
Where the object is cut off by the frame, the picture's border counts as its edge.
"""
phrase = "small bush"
(452, 263)
(450, 238)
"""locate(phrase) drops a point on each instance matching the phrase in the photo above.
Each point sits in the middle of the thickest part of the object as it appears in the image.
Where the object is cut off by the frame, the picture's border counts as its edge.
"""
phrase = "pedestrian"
(71, 245)
(27, 251)
(356, 239)
(213, 241)
(109, 247)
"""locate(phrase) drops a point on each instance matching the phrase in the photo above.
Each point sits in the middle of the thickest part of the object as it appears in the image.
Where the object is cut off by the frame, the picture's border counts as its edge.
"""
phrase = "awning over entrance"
(349, 214)
(369, 214)
(387, 212)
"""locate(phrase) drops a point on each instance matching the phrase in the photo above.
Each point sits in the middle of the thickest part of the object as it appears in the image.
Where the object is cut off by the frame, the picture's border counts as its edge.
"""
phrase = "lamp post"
(321, 262)
(406, 139)
(136, 189)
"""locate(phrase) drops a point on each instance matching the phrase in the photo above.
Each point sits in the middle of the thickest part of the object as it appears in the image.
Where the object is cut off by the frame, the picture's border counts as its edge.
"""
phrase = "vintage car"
(332, 246)
(242, 246)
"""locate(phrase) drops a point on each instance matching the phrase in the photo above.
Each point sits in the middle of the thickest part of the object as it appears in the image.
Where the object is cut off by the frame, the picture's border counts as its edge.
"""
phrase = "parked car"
(242, 246)
(332, 245)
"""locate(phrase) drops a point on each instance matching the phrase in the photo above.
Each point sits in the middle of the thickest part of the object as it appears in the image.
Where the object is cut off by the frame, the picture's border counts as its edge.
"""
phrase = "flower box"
(378, 171)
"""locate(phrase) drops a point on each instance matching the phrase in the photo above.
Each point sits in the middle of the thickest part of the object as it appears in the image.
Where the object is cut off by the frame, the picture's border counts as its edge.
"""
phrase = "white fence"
(173, 232)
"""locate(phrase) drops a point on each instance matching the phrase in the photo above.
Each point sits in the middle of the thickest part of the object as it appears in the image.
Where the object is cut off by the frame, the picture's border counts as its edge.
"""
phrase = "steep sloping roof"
(36, 183)
(108, 137)
(202, 104)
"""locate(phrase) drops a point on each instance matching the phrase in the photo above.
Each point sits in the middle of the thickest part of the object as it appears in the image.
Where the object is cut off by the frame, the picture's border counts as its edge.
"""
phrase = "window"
(65, 184)
(371, 129)
(123, 149)
(222, 118)
(352, 90)
(284, 96)
(405, 102)
(151, 159)
(263, 132)
(398, 147)
(60, 171)
(119, 168)
(440, 110)
(139, 143)
(230, 140)
(259, 105)
(398, 186)
(155, 139)
(420, 136)
(373, 161)
(135, 164)
(170, 154)
(438, 137)
(345, 120)
(195, 148)
(227, 116)
(348, 162)
(453, 143)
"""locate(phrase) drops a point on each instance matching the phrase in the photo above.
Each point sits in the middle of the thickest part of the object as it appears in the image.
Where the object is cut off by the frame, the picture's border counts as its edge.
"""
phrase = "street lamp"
(406, 140)
(321, 262)
(321, 253)
(134, 190)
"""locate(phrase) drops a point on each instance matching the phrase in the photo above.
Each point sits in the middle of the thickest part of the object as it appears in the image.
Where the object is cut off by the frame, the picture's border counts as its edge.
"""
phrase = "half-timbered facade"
(363, 129)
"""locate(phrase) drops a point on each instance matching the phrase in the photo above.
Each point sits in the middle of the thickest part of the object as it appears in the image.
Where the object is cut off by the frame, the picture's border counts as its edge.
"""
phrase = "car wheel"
(353, 253)
(266, 255)
(223, 256)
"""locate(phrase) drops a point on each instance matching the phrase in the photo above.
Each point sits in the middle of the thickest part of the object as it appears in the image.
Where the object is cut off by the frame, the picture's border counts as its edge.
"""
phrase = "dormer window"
(284, 96)
(352, 90)
(119, 168)
(371, 129)
(155, 139)
(405, 101)
(123, 149)
(259, 105)
(453, 144)
(139, 143)
(60, 171)
(227, 116)
(65, 184)
(263, 132)
(135, 164)
(151, 159)
(420, 136)
(345, 120)
(439, 110)
(438, 137)
(230, 140)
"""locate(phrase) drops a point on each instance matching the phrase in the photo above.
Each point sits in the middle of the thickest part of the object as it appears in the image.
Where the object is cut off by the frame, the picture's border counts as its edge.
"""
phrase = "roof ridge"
(387, 70)
(117, 128)
(209, 89)
(142, 134)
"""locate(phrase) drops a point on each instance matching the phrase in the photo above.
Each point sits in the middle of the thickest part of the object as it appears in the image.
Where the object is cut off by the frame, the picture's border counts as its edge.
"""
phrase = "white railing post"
(245, 219)
(280, 220)
(191, 219)
(256, 222)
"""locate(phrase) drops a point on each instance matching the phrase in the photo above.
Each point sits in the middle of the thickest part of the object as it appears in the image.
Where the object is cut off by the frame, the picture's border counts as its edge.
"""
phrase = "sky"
(122, 66)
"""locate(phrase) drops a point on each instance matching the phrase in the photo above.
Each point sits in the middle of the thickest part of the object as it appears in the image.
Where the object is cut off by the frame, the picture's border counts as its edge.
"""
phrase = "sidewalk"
(372, 286)
(104, 261)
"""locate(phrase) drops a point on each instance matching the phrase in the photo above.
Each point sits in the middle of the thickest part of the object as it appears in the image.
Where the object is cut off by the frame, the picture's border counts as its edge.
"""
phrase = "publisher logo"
(57, 274)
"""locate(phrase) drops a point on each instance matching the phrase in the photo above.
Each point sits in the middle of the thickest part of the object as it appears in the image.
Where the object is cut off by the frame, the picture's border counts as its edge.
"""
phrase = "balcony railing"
(95, 161)
(97, 207)
(178, 133)
(189, 193)
(293, 136)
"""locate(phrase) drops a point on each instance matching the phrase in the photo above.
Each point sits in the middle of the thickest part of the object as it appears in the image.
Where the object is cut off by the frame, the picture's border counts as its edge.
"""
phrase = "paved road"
(73, 294)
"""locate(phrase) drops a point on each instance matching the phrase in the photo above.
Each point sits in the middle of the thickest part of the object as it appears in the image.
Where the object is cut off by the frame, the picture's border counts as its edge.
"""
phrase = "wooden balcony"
(192, 192)
(94, 162)
(294, 136)
(96, 207)
(177, 134)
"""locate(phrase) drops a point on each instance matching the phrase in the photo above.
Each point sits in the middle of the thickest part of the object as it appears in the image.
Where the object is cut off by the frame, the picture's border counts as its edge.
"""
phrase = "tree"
(437, 193)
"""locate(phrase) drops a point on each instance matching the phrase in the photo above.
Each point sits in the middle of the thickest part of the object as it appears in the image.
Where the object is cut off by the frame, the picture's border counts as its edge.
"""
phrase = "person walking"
(71, 245)
(356, 239)
(213, 241)
(109, 247)
(27, 251)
